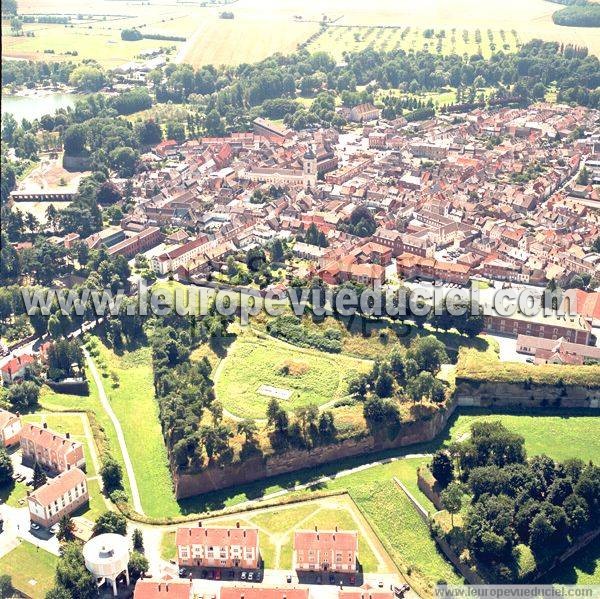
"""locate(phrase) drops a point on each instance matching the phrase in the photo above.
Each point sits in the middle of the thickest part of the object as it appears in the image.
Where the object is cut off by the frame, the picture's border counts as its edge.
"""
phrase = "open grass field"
(31, 569)
(313, 377)
(340, 39)
(50, 42)
(558, 436)
(128, 384)
(262, 27)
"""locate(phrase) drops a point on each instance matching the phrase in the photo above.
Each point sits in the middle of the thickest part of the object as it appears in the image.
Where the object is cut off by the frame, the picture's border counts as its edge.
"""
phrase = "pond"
(35, 106)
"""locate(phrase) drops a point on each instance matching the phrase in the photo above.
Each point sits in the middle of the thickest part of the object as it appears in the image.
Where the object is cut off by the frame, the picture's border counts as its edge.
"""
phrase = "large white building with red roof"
(53, 451)
(216, 547)
(10, 428)
(326, 550)
(60, 496)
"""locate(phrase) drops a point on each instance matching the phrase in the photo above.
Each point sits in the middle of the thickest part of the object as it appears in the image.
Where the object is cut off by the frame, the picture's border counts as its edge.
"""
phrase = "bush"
(292, 330)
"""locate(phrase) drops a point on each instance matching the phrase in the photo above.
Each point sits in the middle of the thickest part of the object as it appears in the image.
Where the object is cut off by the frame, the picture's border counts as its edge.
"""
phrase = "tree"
(442, 467)
(451, 498)
(428, 352)
(110, 522)
(72, 577)
(362, 222)
(75, 140)
(23, 396)
(39, 476)
(6, 586)
(384, 384)
(248, 428)
(138, 565)
(112, 475)
(277, 254)
(6, 467)
(66, 527)
(138, 540)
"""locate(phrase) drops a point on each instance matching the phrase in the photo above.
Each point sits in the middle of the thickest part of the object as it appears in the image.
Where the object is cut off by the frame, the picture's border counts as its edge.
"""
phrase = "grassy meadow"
(313, 377)
(31, 569)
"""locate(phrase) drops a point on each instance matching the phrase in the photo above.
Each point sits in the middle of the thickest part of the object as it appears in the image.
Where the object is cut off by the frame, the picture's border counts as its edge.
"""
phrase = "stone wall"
(518, 395)
(216, 477)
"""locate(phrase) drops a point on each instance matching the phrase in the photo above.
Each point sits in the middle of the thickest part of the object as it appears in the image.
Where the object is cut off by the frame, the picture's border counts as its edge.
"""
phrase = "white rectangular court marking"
(274, 392)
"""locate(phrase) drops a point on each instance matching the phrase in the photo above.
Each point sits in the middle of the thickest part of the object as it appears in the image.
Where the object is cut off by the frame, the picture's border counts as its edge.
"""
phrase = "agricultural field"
(340, 39)
(311, 376)
(31, 569)
(260, 28)
(43, 41)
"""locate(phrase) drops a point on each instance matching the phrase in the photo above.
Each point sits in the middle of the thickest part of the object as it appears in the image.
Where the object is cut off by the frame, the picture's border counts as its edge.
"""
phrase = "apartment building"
(217, 547)
(59, 497)
(326, 551)
(53, 451)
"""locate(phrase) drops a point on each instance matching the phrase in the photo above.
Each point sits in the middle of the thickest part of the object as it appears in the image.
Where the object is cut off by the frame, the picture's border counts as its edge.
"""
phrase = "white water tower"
(107, 556)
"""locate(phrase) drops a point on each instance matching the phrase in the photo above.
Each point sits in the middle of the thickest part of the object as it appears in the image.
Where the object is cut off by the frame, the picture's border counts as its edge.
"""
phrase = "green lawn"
(132, 399)
(313, 377)
(558, 436)
(31, 569)
(13, 494)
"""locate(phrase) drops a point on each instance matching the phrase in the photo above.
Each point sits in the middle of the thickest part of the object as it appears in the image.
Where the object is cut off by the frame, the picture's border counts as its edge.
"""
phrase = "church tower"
(309, 168)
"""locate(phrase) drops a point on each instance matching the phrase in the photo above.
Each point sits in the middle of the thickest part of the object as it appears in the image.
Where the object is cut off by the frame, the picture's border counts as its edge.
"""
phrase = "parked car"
(258, 576)
(211, 574)
(250, 576)
(288, 578)
(331, 579)
(204, 574)
(243, 576)
(218, 575)
(352, 579)
(182, 572)
(54, 529)
(319, 579)
(380, 584)
(35, 526)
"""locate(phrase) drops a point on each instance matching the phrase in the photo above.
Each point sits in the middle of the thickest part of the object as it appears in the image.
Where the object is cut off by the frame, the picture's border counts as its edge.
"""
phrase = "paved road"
(135, 494)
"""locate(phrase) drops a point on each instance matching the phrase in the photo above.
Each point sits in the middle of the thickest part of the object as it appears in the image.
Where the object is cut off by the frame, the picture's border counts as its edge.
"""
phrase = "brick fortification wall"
(468, 393)
(213, 478)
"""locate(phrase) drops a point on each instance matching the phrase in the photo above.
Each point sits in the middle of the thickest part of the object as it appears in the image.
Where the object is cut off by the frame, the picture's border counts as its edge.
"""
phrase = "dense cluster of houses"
(488, 194)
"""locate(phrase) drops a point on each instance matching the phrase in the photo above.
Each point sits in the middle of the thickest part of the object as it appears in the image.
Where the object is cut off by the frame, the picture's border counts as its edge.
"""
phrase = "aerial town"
(299, 300)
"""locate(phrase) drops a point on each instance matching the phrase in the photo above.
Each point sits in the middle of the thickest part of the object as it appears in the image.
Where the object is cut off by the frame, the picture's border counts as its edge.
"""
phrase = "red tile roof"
(56, 487)
(48, 439)
(240, 592)
(326, 540)
(220, 537)
(6, 418)
(14, 365)
(159, 588)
